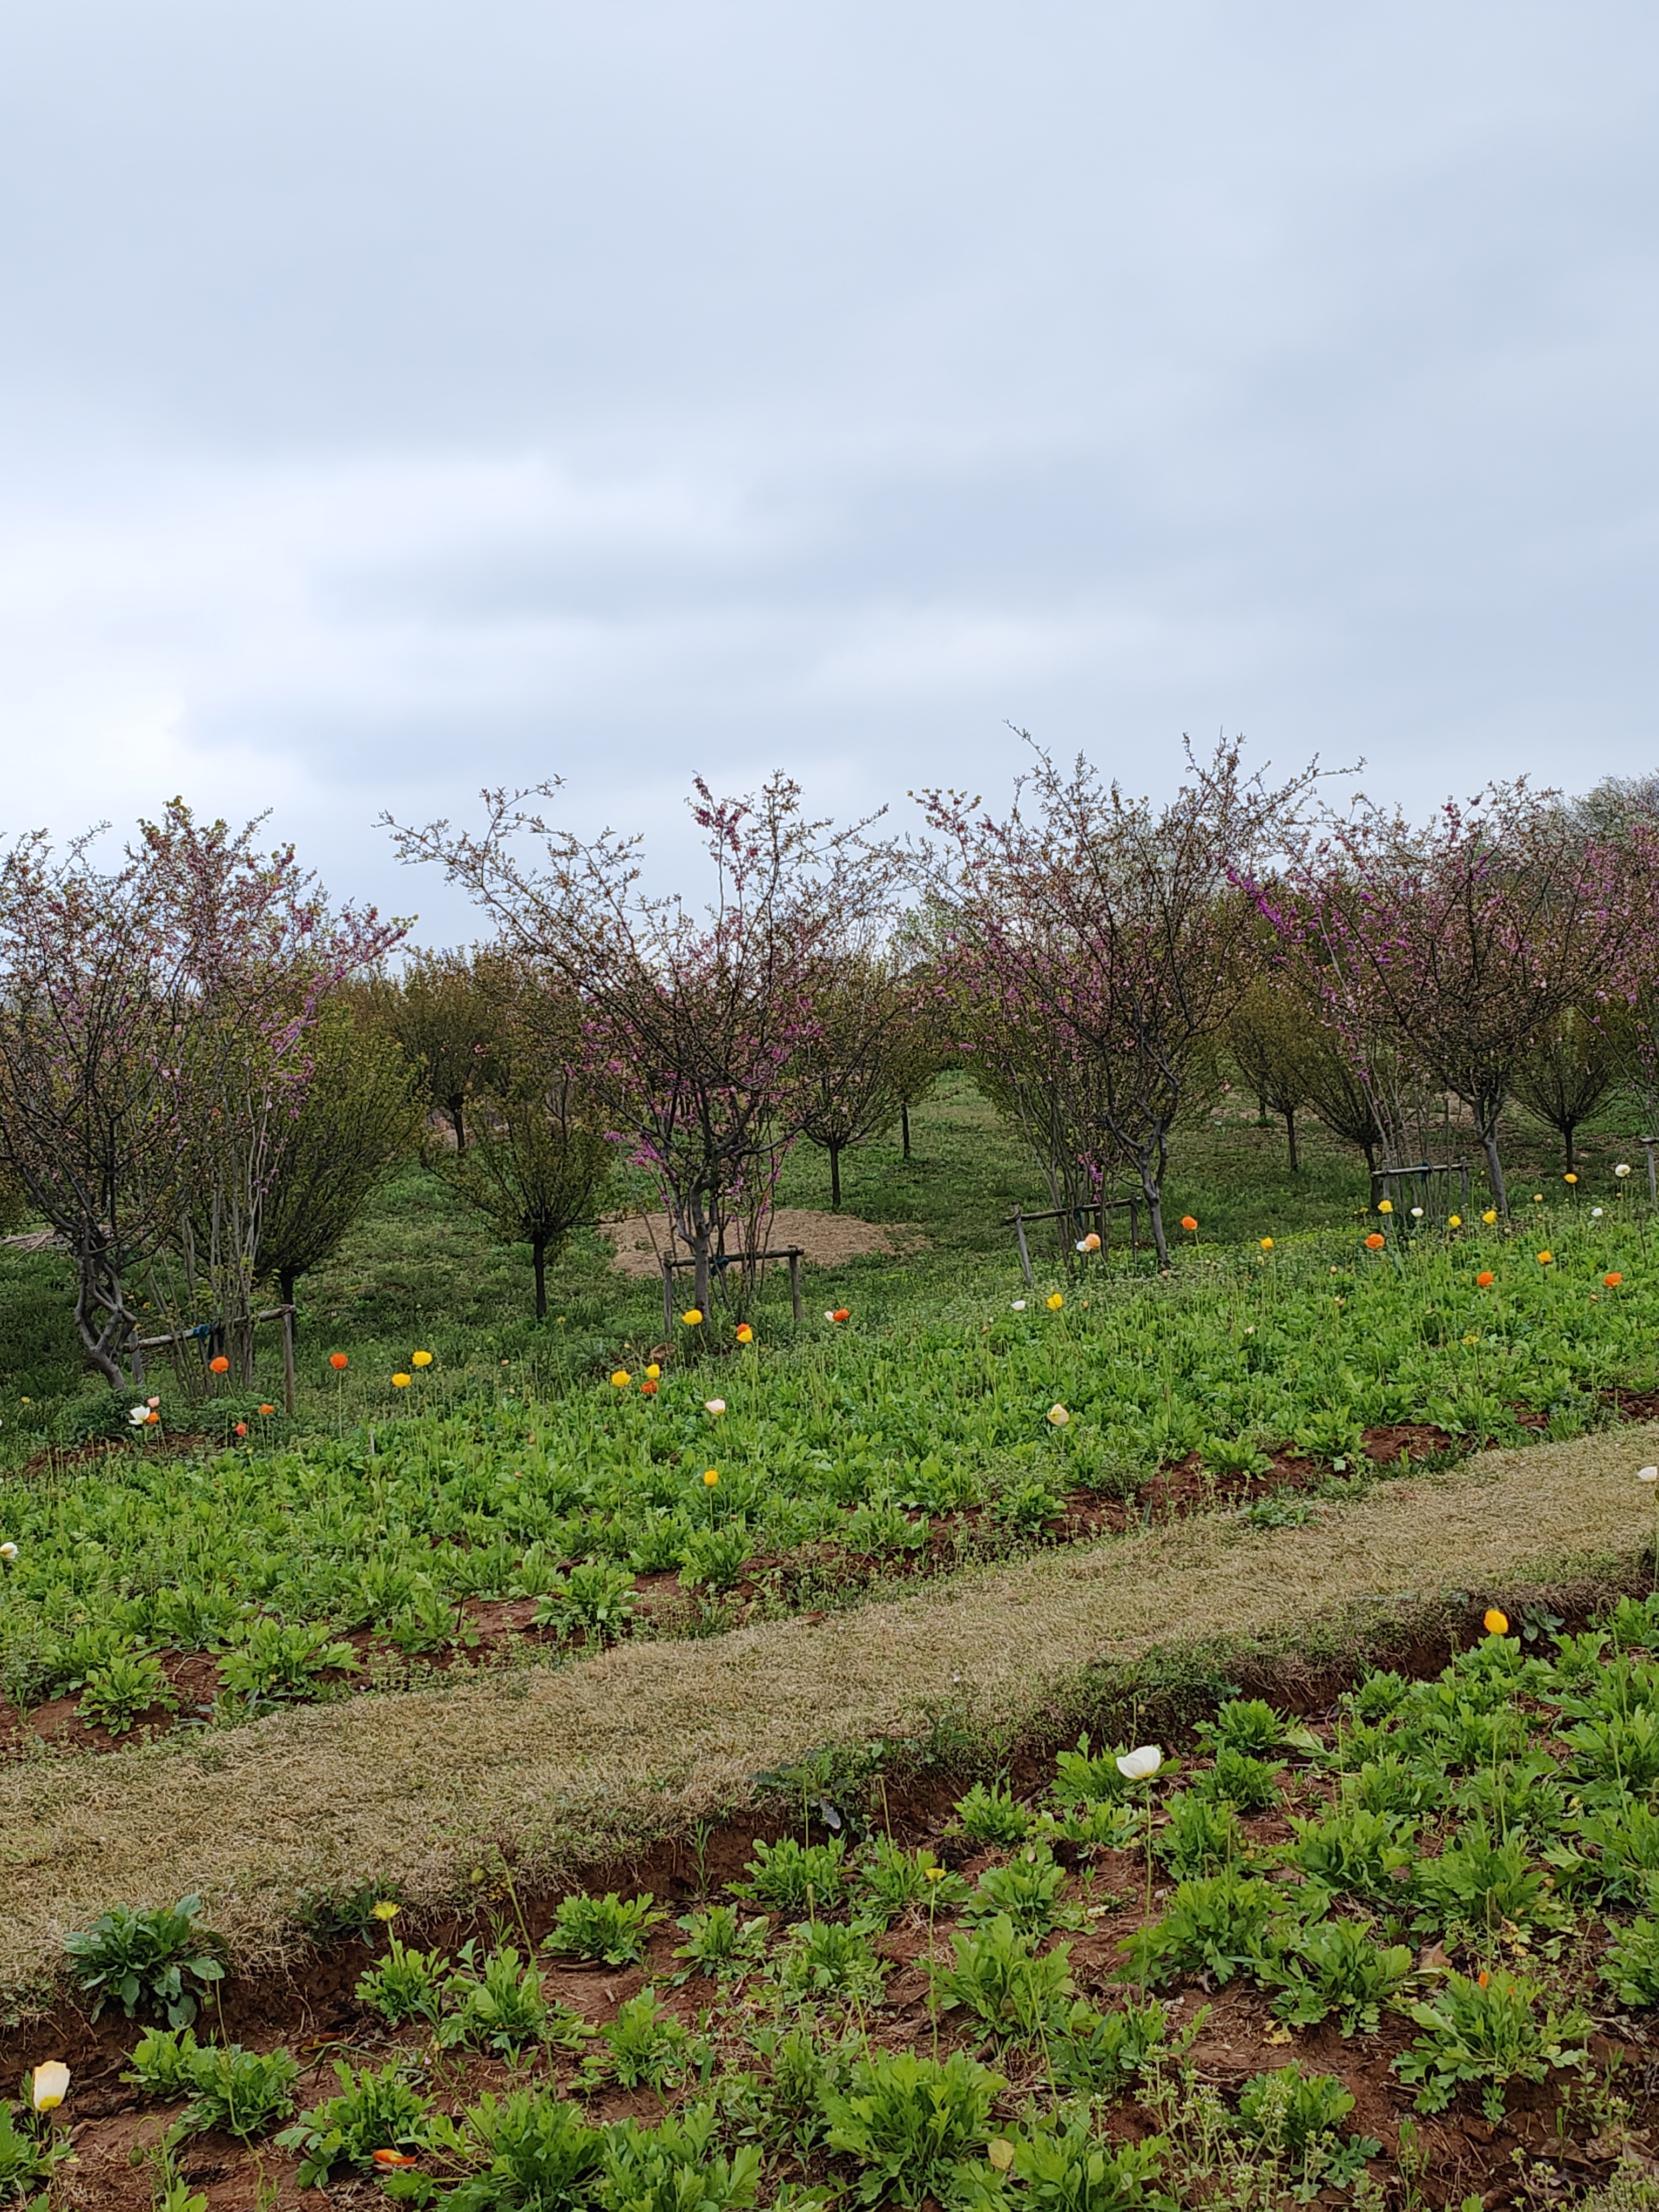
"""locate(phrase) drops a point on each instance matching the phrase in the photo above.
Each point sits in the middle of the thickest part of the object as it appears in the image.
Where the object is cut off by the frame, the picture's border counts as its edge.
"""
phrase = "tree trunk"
(455, 1108)
(834, 1178)
(904, 1124)
(286, 1278)
(539, 1261)
(1494, 1170)
(1152, 1190)
(1289, 1134)
(100, 1287)
(1569, 1133)
(700, 1271)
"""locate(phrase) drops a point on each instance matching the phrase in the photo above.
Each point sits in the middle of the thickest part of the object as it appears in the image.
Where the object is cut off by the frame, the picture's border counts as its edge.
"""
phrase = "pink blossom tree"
(1453, 946)
(694, 1022)
(1101, 943)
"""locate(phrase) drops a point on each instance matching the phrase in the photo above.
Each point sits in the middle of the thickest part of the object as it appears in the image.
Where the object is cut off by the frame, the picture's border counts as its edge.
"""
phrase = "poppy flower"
(1647, 1474)
(1453, 1221)
(419, 1359)
(1055, 1300)
(1490, 1216)
(1570, 1177)
(337, 1361)
(1058, 1416)
(152, 1402)
(1417, 1213)
(152, 1415)
(1385, 1206)
(1267, 1244)
(652, 1372)
(49, 2085)
(219, 1364)
(138, 1416)
(8, 1552)
(1484, 1280)
(620, 1378)
(1622, 1170)
(241, 1428)
(401, 1382)
(1141, 1764)
(647, 1389)
(1375, 1242)
(710, 1479)
(1546, 1259)
(745, 1334)
(841, 1312)
(692, 1315)
(1089, 1243)
(1612, 1281)
(384, 2158)
(1495, 1623)
(713, 1404)
(1018, 1306)
(267, 1409)
(386, 1909)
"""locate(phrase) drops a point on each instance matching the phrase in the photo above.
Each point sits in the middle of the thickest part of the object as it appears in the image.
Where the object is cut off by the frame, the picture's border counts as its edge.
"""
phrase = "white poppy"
(8, 1552)
(1140, 1766)
(1058, 1416)
(1623, 1168)
(1596, 1213)
(1647, 1474)
(138, 1416)
(713, 1404)
(49, 2085)
(1018, 1306)
(1417, 1213)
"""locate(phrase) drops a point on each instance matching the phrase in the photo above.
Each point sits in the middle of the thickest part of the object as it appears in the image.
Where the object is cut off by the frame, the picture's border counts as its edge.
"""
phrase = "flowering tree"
(871, 1042)
(1457, 945)
(692, 1022)
(152, 1024)
(1105, 938)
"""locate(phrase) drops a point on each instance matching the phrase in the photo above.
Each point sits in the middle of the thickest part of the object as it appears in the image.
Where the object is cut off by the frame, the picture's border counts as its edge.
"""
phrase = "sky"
(400, 397)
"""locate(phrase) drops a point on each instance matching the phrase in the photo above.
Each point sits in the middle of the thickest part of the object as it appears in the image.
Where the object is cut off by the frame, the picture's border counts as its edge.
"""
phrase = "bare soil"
(826, 1240)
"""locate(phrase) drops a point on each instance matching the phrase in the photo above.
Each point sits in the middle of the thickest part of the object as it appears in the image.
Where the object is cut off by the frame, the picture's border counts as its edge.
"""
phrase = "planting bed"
(1402, 1944)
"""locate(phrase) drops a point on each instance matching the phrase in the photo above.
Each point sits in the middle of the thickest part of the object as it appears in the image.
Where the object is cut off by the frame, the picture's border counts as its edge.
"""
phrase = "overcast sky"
(397, 396)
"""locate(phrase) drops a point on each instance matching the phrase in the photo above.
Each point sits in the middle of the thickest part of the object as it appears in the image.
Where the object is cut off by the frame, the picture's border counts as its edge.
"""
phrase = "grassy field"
(455, 1647)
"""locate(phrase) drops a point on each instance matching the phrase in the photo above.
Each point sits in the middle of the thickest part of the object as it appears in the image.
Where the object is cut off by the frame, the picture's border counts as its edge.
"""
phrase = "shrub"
(1085, 1777)
(1488, 2031)
(996, 1975)
(593, 1599)
(610, 1929)
(1216, 1924)
(992, 1816)
(793, 1877)
(160, 1956)
(276, 1661)
(373, 2111)
(240, 2092)
(161, 2062)
(429, 1621)
(129, 1684)
(1480, 1884)
(1028, 1508)
(1353, 1852)
(912, 2124)
(1391, 1783)
(1377, 1696)
(404, 1984)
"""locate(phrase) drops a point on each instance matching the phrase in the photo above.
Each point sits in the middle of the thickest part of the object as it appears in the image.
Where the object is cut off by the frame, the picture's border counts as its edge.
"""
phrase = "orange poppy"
(745, 1334)
(1612, 1281)
(337, 1360)
(1375, 1242)
(1188, 1223)
(267, 1409)
(840, 1314)
(647, 1389)
(393, 2158)
(241, 1428)
(219, 1364)
(1484, 1280)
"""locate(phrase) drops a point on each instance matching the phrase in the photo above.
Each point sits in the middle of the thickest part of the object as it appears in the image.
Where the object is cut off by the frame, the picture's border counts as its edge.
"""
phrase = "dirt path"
(559, 1766)
(826, 1240)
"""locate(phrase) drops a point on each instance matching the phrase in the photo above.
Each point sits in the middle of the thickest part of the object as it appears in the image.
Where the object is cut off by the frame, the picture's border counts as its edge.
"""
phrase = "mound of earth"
(825, 1239)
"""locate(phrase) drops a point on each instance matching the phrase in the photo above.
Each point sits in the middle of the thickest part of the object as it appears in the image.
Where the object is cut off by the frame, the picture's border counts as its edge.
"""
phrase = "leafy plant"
(502, 2008)
(542, 2154)
(129, 1684)
(1028, 1890)
(992, 1815)
(1068, 2168)
(1631, 1967)
(1086, 1777)
(1490, 2030)
(825, 1958)
(1294, 2118)
(1242, 1724)
(911, 2123)
(715, 1559)
(996, 1975)
(593, 1599)
(891, 1879)
(1239, 1779)
(610, 1929)
(1334, 1966)
(406, 1984)
(1215, 1925)
(240, 2092)
(1199, 1836)
(674, 2167)
(373, 2111)
(720, 1943)
(1480, 1884)
(1095, 2053)
(793, 1877)
(27, 2158)
(159, 1956)
(276, 1661)
(1353, 1852)
(645, 2044)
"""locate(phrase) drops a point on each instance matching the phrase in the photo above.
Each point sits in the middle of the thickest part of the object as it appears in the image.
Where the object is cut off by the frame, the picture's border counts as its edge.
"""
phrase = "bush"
(825, 1958)
(240, 2092)
(1098, 2053)
(609, 1928)
(643, 2044)
(1294, 2118)
(890, 1879)
(373, 2111)
(1334, 1966)
(1027, 1890)
(913, 2125)
(501, 2008)
(672, 2167)
(543, 2156)
(1242, 1724)
(1354, 1852)
(715, 1559)
(1199, 1836)
(159, 1956)
(1238, 1778)
(1085, 1777)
